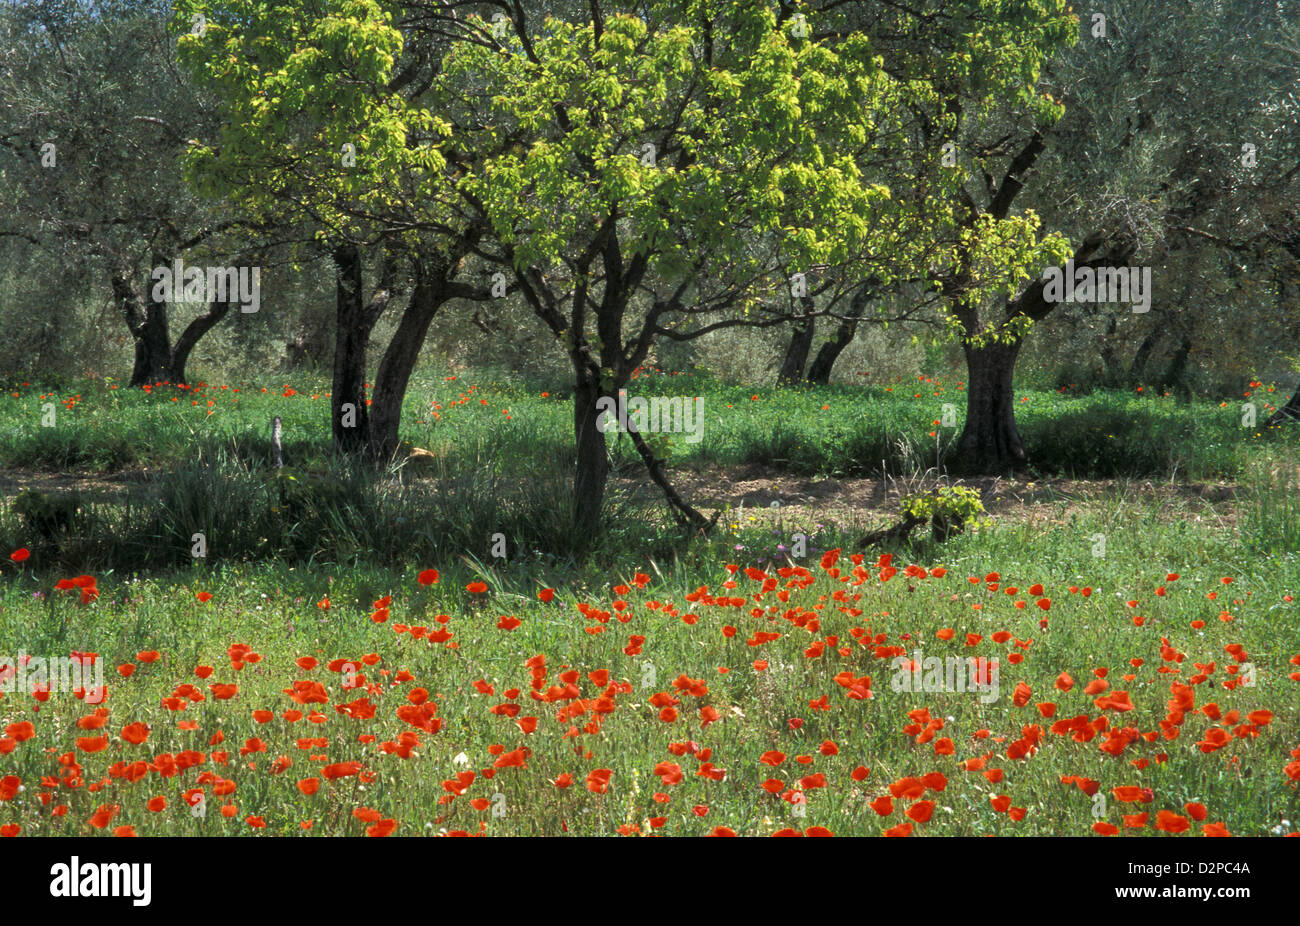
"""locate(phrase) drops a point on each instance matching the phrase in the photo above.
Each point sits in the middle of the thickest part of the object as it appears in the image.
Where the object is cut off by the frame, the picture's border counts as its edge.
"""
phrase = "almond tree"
(679, 164)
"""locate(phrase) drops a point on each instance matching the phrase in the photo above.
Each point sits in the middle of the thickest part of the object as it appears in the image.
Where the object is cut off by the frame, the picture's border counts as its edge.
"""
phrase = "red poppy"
(1169, 822)
(598, 780)
(104, 815)
(921, 811)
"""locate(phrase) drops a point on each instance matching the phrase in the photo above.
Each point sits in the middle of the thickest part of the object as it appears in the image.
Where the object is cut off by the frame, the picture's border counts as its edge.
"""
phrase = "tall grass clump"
(1270, 519)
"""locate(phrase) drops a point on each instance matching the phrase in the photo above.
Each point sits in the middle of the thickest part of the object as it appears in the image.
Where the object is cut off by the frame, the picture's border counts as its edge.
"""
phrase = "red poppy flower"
(1169, 822)
(921, 811)
(598, 780)
(104, 815)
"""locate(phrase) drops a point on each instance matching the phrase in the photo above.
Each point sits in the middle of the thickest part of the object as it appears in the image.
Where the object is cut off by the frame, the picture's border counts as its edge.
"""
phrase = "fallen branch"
(899, 533)
(686, 515)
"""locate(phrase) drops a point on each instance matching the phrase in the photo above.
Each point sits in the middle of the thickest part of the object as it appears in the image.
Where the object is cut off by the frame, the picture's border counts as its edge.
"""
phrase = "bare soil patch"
(92, 487)
(759, 491)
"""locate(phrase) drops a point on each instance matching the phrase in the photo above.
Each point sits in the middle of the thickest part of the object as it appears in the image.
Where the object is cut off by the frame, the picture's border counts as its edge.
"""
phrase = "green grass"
(808, 430)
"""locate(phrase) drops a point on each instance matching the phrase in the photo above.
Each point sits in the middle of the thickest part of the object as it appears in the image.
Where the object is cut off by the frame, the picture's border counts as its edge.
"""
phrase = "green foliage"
(280, 152)
(948, 509)
(958, 505)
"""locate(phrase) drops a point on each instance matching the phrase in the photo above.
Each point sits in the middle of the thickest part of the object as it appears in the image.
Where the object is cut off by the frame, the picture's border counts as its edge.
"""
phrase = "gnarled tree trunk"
(824, 362)
(1288, 413)
(990, 441)
(1142, 356)
(189, 338)
(146, 319)
(156, 360)
(796, 354)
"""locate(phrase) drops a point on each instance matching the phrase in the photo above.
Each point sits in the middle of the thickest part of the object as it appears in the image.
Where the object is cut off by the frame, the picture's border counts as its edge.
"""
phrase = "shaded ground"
(869, 503)
(756, 491)
(93, 488)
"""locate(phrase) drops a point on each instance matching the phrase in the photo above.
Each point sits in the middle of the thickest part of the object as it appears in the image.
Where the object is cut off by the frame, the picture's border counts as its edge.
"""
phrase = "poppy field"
(784, 699)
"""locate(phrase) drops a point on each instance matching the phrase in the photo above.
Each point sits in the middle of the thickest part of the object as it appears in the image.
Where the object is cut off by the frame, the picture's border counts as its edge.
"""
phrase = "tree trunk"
(350, 421)
(309, 347)
(1138, 369)
(820, 371)
(1176, 372)
(796, 355)
(156, 360)
(824, 362)
(1110, 361)
(1290, 412)
(189, 338)
(593, 459)
(153, 348)
(397, 365)
(990, 442)
(147, 322)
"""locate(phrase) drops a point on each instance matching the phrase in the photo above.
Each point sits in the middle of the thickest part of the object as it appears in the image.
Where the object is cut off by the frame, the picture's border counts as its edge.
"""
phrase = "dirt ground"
(768, 494)
(871, 503)
(94, 488)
